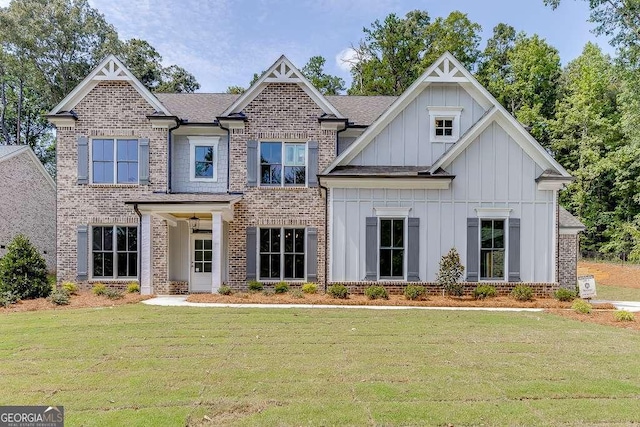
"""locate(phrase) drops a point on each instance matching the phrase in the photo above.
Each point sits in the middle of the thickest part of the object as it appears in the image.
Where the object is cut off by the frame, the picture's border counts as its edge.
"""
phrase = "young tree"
(23, 271)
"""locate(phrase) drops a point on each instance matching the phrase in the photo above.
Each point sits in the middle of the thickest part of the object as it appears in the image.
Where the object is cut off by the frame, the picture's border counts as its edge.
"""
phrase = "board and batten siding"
(406, 140)
(493, 171)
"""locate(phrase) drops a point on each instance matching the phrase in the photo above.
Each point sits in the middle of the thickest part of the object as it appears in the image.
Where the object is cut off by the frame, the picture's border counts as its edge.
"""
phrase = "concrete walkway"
(181, 301)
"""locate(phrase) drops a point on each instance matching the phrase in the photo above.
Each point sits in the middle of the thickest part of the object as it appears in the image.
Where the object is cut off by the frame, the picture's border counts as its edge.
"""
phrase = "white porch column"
(145, 255)
(216, 245)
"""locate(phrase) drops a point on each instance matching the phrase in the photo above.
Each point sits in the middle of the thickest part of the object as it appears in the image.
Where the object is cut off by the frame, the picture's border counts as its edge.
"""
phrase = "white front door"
(201, 263)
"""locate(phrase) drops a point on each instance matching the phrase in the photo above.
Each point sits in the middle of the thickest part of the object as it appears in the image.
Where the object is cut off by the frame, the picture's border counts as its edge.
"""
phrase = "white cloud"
(346, 59)
(4, 3)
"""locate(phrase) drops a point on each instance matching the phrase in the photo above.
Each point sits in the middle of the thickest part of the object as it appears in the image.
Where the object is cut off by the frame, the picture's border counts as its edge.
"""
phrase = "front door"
(201, 263)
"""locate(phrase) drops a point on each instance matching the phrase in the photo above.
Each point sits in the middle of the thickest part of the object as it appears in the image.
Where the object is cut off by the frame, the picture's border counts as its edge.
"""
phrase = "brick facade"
(111, 109)
(568, 260)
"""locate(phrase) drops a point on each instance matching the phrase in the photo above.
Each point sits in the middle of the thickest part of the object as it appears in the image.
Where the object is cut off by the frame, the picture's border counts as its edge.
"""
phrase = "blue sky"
(223, 42)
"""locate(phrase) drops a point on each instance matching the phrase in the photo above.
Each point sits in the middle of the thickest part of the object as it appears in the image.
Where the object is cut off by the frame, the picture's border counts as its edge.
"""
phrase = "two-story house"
(186, 192)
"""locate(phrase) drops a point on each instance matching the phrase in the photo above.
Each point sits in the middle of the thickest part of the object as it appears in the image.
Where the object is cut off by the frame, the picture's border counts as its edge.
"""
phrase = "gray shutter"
(252, 163)
(473, 249)
(82, 253)
(312, 169)
(252, 247)
(371, 243)
(413, 248)
(312, 254)
(143, 161)
(83, 159)
(514, 249)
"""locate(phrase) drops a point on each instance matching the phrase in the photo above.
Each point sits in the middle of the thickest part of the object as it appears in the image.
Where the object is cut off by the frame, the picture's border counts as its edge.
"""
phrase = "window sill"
(278, 187)
(276, 281)
(118, 280)
(445, 141)
(115, 185)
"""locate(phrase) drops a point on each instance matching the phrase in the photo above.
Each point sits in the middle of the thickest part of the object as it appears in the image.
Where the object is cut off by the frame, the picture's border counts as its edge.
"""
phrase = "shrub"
(565, 295)
(60, 297)
(309, 288)
(522, 293)
(484, 291)
(23, 271)
(133, 288)
(70, 287)
(7, 298)
(623, 316)
(581, 306)
(413, 292)
(297, 293)
(338, 291)
(268, 292)
(225, 290)
(255, 286)
(376, 292)
(99, 289)
(450, 273)
(113, 293)
(281, 288)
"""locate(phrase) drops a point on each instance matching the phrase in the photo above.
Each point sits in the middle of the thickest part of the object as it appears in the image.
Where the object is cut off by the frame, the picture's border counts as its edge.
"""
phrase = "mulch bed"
(602, 317)
(82, 300)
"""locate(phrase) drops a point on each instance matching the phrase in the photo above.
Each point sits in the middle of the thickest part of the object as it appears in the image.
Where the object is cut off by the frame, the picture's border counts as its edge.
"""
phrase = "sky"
(224, 42)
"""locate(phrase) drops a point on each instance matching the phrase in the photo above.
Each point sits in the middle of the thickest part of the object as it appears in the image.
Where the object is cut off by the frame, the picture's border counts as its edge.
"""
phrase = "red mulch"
(82, 300)
(603, 317)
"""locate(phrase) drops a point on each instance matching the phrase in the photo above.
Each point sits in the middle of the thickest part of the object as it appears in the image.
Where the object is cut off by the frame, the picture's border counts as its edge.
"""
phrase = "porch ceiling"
(175, 206)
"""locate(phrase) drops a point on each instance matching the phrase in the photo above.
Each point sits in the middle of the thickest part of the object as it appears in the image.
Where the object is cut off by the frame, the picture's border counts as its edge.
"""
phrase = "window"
(283, 163)
(203, 255)
(445, 123)
(391, 248)
(114, 161)
(492, 249)
(282, 253)
(114, 252)
(203, 158)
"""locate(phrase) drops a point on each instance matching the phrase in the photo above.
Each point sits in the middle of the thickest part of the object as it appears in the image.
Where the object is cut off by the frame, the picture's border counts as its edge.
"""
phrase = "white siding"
(405, 141)
(492, 172)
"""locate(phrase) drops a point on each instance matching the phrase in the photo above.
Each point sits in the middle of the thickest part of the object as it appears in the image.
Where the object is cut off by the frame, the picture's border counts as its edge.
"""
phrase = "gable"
(406, 140)
(296, 113)
(31, 165)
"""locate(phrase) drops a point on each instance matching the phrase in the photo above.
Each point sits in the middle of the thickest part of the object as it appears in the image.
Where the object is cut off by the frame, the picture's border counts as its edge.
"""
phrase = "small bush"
(281, 288)
(99, 289)
(338, 291)
(581, 306)
(413, 292)
(133, 288)
(70, 287)
(225, 290)
(7, 298)
(309, 288)
(484, 291)
(268, 292)
(255, 286)
(522, 293)
(60, 297)
(565, 295)
(113, 294)
(23, 271)
(376, 292)
(623, 316)
(450, 273)
(297, 293)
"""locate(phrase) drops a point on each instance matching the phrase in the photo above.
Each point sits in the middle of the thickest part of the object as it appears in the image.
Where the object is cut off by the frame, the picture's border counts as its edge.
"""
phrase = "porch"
(194, 243)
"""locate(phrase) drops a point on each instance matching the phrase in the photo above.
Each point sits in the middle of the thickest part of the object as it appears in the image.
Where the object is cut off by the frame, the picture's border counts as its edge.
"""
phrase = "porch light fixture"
(194, 222)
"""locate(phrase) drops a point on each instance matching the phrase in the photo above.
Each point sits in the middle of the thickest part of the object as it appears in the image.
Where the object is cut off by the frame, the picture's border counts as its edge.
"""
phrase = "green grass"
(617, 293)
(156, 366)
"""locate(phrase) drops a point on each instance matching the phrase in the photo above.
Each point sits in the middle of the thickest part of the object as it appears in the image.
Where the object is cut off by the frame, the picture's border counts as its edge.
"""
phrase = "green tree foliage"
(23, 271)
(325, 83)
(456, 34)
(450, 273)
(236, 90)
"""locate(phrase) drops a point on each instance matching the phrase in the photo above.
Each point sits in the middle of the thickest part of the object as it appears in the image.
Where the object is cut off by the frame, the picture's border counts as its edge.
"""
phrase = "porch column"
(145, 255)
(216, 245)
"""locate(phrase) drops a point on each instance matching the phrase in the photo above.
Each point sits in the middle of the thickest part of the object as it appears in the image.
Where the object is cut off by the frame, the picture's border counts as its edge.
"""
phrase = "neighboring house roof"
(447, 69)
(110, 69)
(566, 220)
(9, 151)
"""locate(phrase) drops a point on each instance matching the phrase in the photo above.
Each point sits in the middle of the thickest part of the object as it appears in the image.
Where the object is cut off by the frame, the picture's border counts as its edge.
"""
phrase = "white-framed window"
(114, 161)
(444, 123)
(281, 253)
(283, 163)
(494, 243)
(391, 258)
(114, 252)
(203, 158)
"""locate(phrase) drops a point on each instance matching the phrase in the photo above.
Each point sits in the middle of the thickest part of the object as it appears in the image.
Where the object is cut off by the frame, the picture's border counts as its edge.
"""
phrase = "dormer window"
(444, 123)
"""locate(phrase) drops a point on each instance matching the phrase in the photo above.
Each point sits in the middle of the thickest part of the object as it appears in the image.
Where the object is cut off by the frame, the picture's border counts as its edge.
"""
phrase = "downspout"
(228, 156)
(135, 208)
(169, 158)
(338, 138)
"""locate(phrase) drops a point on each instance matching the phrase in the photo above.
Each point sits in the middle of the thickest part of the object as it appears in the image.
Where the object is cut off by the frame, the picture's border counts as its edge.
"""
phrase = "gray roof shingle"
(6, 150)
(569, 221)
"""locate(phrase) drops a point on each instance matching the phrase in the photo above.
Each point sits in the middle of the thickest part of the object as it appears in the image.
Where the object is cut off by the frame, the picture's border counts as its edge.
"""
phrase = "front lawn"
(155, 366)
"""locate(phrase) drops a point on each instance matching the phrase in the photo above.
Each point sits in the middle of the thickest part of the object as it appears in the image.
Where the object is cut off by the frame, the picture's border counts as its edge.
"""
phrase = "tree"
(177, 80)
(143, 60)
(455, 34)
(325, 83)
(23, 271)
(494, 67)
(236, 90)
